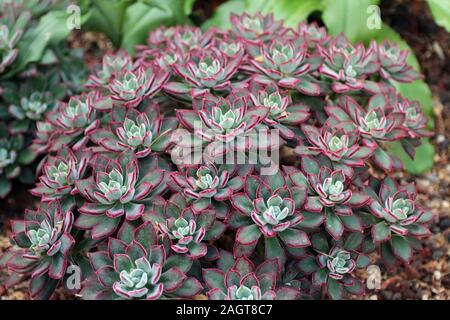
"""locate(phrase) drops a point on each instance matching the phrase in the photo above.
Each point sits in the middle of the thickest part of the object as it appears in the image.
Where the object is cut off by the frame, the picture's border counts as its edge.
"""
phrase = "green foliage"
(291, 11)
(127, 22)
(441, 12)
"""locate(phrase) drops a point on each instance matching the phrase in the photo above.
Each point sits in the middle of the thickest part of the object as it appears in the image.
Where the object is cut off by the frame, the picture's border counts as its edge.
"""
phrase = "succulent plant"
(283, 115)
(338, 142)
(156, 160)
(347, 65)
(256, 28)
(240, 280)
(42, 244)
(312, 34)
(399, 219)
(205, 70)
(269, 208)
(393, 63)
(116, 189)
(14, 153)
(207, 184)
(135, 266)
(59, 175)
(143, 132)
(220, 122)
(187, 231)
(130, 87)
(333, 268)
(112, 65)
(287, 63)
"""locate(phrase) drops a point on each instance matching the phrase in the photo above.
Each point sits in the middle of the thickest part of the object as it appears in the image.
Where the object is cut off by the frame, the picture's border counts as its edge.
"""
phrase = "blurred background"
(58, 42)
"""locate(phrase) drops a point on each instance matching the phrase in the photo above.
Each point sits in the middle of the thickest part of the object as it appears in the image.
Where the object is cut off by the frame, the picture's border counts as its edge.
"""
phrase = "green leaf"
(441, 12)
(417, 90)
(142, 17)
(334, 289)
(107, 16)
(334, 226)
(350, 17)
(353, 241)
(26, 156)
(292, 12)
(319, 242)
(294, 238)
(362, 261)
(273, 250)
(320, 277)
(401, 248)
(248, 235)
(308, 265)
(424, 158)
(51, 29)
(381, 232)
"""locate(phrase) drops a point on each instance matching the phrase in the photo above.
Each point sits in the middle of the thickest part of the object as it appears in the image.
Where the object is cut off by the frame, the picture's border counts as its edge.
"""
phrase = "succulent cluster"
(29, 92)
(163, 167)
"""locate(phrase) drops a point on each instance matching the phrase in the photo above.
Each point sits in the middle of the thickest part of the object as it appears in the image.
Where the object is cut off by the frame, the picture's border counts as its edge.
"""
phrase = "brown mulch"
(428, 276)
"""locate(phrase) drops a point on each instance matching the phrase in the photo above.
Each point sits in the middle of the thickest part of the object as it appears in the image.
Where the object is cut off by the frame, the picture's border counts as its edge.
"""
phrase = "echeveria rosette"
(113, 64)
(256, 28)
(130, 87)
(415, 121)
(188, 232)
(393, 63)
(205, 70)
(70, 124)
(332, 269)
(346, 65)
(41, 247)
(340, 143)
(208, 184)
(240, 280)
(135, 267)
(11, 31)
(220, 122)
(59, 174)
(332, 197)
(380, 122)
(33, 107)
(312, 34)
(142, 132)
(269, 207)
(400, 221)
(283, 114)
(285, 62)
(116, 188)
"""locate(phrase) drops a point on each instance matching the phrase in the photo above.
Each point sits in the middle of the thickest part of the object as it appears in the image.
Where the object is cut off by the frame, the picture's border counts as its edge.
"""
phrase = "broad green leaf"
(139, 20)
(441, 12)
(292, 12)
(424, 158)
(107, 16)
(417, 90)
(51, 29)
(350, 17)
